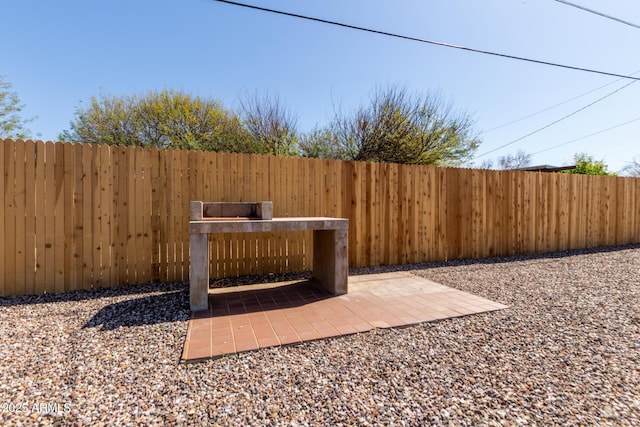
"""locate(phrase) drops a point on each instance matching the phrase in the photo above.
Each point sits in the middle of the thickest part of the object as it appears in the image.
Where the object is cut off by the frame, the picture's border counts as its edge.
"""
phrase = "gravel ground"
(566, 352)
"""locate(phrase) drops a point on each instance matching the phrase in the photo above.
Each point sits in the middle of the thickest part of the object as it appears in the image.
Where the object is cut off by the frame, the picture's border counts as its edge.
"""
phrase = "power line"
(556, 121)
(587, 136)
(556, 105)
(568, 3)
(416, 39)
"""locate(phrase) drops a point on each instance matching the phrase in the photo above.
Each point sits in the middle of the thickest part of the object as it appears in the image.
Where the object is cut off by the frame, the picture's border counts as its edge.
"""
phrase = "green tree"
(12, 125)
(319, 143)
(399, 127)
(271, 125)
(587, 165)
(165, 119)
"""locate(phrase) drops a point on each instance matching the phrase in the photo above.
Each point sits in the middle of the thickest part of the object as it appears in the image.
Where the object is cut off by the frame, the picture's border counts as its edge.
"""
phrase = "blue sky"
(59, 54)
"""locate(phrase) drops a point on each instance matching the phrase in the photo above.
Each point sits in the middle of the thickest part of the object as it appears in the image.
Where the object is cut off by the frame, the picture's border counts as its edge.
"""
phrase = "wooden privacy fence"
(77, 216)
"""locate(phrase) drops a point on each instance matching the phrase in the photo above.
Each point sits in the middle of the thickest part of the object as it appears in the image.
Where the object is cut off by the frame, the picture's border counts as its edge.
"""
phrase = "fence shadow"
(493, 260)
(149, 310)
(95, 293)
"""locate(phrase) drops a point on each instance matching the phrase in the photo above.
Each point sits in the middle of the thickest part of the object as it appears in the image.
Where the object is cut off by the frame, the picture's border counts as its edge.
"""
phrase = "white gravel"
(566, 352)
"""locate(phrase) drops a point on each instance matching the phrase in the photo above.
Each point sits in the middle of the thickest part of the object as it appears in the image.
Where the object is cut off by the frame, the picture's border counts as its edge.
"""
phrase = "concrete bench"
(330, 245)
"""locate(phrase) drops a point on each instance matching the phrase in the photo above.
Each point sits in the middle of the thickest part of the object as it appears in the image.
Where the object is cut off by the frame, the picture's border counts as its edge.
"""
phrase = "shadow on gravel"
(150, 310)
(495, 260)
(96, 293)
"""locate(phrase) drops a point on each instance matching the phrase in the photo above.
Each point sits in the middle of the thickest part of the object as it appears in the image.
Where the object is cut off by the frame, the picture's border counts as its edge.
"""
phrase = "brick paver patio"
(259, 316)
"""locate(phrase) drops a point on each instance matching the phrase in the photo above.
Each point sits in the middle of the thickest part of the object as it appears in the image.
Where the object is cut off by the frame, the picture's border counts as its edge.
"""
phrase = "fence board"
(69, 207)
(4, 188)
(440, 194)
(141, 212)
(49, 213)
(294, 261)
(370, 213)
(92, 238)
(454, 218)
(234, 194)
(612, 193)
(393, 218)
(182, 224)
(262, 194)
(249, 192)
(572, 215)
(170, 209)
(431, 215)
(513, 206)
(582, 211)
(285, 198)
(19, 220)
(132, 200)
(106, 215)
(238, 195)
(635, 237)
(423, 213)
(59, 216)
(147, 191)
(401, 220)
(624, 208)
(352, 206)
(509, 203)
(40, 217)
(378, 223)
(465, 199)
(30, 193)
(122, 214)
(217, 240)
(598, 209)
(272, 184)
(563, 211)
(49, 217)
(163, 213)
(10, 219)
(85, 232)
(156, 212)
(519, 232)
(543, 223)
(77, 223)
(530, 207)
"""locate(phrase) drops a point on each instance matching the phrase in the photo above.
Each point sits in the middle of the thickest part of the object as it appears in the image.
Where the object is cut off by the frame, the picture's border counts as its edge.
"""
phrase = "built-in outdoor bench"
(330, 242)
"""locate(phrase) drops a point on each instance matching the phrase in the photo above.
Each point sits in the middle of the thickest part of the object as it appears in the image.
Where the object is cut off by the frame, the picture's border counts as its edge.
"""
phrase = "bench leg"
(331, 259)
(199, 271)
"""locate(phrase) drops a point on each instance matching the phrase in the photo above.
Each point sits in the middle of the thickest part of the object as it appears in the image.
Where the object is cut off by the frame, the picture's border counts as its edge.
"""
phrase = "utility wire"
(416, 39)
(556, 105)
(587, 136)
(556, 121)
(568, 3)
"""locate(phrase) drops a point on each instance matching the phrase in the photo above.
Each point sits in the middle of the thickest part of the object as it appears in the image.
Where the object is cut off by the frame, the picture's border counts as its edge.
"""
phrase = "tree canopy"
(165, 119)
(519, 159)
(587, 165)
(12, 125)
(395, 126)
(632, 168)
(398, 127)
(271, 125)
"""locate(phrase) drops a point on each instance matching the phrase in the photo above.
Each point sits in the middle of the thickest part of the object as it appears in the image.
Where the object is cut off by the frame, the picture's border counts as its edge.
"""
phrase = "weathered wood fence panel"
(77, 216)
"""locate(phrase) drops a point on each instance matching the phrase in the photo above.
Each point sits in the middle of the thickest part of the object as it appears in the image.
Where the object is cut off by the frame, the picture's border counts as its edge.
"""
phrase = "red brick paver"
(259, 316)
